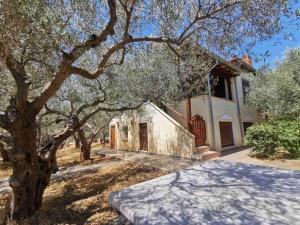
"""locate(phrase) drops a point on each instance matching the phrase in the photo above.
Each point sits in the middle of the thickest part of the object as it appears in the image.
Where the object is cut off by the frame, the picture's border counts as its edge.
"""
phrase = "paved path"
(166, 163)
(242, 155)
(214, 193)
(64, 173)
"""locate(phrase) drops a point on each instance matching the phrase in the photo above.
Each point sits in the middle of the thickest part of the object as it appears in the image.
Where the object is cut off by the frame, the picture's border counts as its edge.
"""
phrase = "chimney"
(247, 59)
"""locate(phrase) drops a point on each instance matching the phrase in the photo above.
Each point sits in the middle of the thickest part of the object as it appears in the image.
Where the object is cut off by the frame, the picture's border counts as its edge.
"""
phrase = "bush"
(268, 139)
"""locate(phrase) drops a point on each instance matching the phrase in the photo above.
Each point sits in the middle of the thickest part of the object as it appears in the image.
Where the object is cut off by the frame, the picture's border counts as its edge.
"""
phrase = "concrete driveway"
(214, 192)
(242, 155)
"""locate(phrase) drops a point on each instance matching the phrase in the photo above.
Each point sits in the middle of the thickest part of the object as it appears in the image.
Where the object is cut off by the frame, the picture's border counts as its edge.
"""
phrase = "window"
(246, 89)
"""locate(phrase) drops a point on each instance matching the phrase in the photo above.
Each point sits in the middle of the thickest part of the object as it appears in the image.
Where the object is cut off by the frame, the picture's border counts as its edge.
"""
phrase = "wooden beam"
(189, 113)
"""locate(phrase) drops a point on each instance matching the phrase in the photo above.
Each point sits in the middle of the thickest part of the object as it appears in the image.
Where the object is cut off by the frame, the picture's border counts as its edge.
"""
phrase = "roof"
(234, 67)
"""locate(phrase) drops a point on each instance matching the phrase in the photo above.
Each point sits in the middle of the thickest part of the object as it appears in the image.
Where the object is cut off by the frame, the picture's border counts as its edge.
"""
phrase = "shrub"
(269, 138)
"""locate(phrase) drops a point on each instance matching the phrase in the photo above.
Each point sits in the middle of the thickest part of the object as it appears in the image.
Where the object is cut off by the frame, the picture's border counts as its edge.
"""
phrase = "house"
(198, 126)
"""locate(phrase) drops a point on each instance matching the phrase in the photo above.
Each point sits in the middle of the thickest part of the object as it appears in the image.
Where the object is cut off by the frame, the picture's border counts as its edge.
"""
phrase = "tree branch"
(17, 70)
(88, 105)
(94, 133)
(107, 109)
(70, 58)
(67, 69)
(97, 40)
(52, 111)
(118, 46)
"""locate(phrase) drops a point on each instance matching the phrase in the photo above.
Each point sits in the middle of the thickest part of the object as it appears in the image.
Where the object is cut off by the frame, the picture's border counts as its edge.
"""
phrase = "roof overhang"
(228, 68)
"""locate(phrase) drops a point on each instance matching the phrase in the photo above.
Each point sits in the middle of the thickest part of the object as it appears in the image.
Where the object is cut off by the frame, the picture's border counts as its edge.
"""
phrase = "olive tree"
(44, 43)
(277, 92)
(88, 133)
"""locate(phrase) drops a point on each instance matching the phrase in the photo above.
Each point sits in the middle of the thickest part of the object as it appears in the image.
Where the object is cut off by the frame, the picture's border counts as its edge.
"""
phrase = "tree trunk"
(31, 174)
(32, 167)
(85, 152)
(32, 164)
(85, 146)
(77, 141)
(62, 145)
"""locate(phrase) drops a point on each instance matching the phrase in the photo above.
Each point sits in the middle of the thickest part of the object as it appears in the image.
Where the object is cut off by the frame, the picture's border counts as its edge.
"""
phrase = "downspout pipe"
(238, 109)
(210, 108)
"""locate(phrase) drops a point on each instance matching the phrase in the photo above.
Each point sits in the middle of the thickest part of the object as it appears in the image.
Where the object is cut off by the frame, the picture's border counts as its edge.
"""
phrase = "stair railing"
(178, 114)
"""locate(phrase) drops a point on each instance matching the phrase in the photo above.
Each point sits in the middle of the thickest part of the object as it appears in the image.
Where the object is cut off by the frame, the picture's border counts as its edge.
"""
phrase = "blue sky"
(275, 48)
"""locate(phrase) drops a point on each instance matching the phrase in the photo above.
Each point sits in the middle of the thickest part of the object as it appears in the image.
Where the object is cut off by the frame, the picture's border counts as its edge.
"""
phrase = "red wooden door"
(112, 137)
(143, 136)
(199, 130)
(226, 134)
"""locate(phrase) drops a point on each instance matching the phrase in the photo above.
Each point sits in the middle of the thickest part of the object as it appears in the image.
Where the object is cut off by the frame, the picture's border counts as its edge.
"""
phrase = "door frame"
(232, 130)
(140, 147)
(112, 127)
(199, 130)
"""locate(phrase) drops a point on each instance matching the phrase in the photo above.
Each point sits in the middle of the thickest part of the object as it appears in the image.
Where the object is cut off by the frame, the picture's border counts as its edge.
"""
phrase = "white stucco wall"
(120, 140)
(165, 135)
(199, 105)
(248, 114)
(226, 111)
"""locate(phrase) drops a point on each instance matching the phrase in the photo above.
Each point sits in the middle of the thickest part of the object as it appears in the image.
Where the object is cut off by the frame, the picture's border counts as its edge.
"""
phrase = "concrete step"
(201, 149)
(210, 155)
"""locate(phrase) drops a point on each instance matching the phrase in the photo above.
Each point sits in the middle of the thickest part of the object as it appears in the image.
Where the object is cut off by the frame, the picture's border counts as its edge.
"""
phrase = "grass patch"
(84, 198)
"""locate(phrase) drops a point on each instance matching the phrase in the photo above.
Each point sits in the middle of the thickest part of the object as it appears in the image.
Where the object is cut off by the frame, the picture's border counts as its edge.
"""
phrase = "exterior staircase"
(203, 153)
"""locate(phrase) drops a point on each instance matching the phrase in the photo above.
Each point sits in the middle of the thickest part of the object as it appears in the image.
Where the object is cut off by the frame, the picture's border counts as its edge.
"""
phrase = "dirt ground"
(84, 198)
(65, 157)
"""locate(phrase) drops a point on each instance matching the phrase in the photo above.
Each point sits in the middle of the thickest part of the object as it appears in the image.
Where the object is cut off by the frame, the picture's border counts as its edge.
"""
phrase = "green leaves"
(278, 92)
(269, 138)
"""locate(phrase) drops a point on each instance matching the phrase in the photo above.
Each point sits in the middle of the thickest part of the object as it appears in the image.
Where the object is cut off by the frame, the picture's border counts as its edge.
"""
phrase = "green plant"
(274, 137)
(277, 92)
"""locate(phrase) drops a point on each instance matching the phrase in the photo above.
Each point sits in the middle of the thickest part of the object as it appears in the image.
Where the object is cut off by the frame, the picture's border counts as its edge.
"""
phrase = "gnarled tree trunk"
(86, 142)
(27, 179)
(85, 146)
(76, 140)
(32, 164)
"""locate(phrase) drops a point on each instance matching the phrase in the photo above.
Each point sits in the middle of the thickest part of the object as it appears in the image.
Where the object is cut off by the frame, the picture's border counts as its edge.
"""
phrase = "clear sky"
(276, 47)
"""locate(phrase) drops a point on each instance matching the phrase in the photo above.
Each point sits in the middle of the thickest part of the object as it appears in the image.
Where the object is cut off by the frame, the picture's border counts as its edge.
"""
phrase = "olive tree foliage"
(277, 92)
(44, 43)
(156, 74)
